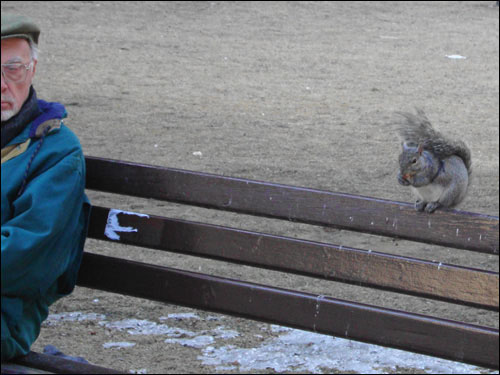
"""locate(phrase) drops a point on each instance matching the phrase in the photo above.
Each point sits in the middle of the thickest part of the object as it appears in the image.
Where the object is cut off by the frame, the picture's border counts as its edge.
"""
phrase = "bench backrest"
(423, 334)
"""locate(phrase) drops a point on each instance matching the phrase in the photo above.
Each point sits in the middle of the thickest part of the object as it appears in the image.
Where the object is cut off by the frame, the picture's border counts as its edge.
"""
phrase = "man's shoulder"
(53, 140)
(50, 125)
(61, 141)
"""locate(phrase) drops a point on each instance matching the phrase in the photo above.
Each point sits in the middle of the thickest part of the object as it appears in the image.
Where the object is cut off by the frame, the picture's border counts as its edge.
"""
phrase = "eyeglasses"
(16, 73)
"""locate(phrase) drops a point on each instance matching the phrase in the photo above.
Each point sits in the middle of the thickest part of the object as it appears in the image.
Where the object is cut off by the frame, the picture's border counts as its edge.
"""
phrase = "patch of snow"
(75, 316)
(145, 327)
(308, 352)
(118, 345)
(197, 342)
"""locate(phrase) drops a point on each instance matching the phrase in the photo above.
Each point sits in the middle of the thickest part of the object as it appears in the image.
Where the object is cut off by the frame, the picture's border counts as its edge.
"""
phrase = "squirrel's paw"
(420, 205)
(431, 207)
(402, 180)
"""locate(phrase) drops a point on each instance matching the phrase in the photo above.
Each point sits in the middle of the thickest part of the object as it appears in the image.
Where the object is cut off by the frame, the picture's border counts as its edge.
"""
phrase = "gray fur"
(416, 129)
(437, 169)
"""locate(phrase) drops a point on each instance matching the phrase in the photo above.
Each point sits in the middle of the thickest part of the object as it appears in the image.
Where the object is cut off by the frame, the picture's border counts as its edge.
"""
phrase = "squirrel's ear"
(420, 149)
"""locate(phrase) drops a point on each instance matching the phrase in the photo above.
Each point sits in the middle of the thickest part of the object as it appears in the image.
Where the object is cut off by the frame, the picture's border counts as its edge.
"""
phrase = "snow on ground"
(293, 350)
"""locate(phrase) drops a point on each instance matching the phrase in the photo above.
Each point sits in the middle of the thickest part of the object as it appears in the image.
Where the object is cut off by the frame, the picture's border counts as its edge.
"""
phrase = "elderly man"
(44, 207)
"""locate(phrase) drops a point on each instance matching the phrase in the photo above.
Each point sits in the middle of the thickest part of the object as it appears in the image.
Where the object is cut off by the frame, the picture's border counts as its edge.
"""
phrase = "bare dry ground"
(299, 93)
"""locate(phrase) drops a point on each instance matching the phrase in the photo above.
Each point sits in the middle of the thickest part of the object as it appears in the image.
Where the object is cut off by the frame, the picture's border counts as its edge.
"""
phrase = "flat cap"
(17, 26)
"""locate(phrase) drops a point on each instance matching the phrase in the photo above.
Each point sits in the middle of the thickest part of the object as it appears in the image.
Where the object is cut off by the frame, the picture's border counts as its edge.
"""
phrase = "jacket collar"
(50, 111)
(50, 115)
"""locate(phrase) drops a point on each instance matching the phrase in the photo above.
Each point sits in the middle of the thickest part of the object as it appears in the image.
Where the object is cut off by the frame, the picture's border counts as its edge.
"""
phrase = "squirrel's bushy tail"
(416, 129)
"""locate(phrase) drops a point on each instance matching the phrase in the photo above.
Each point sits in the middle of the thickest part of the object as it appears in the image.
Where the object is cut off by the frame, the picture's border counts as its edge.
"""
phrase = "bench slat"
(59, 365)
(422, 278)
(458, 229)
(417, 333)
(11, 368)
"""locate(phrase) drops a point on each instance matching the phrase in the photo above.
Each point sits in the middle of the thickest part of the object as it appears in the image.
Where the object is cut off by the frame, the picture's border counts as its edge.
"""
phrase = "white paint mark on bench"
(318, 305)
(346, 333)
(113, 226)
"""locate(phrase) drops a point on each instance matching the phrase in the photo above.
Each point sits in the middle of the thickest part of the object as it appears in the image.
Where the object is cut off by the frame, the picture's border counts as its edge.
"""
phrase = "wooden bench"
(429, 335)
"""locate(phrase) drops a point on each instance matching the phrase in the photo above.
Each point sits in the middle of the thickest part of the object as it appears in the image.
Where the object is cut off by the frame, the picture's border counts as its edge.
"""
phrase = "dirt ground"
(299, 93)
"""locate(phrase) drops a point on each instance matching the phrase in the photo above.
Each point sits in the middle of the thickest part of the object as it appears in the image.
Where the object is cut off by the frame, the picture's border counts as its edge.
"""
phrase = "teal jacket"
(44, 224)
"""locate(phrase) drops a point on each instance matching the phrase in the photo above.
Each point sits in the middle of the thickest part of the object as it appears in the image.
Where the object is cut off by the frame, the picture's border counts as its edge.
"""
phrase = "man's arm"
(38, 241)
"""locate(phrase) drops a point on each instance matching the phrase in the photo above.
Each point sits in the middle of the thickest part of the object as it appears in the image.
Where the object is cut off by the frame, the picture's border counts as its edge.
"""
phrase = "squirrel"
(437, 169)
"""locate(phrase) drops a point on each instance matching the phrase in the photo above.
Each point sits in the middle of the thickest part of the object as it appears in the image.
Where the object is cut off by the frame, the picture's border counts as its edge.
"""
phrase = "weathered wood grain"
(423, 278)
(417, 333)
(462, 230)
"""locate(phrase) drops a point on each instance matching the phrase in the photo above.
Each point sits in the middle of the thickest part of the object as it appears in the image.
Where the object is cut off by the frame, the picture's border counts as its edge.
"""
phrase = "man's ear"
(34, 67)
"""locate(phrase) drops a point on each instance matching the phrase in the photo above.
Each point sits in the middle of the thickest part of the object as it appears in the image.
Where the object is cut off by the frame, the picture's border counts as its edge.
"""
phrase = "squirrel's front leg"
(432, 206)
(420, 205)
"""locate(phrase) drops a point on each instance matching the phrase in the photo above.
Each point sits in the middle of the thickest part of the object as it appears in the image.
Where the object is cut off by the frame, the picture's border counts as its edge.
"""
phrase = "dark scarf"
(15, 125)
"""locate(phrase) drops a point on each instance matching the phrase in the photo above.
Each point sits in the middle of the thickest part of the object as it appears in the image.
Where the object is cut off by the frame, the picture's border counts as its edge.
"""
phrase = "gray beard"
(17, 121)
(7, 115)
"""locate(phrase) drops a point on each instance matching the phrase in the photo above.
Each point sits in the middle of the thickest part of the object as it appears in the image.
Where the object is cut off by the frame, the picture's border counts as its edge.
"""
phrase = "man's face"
(14, 94)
